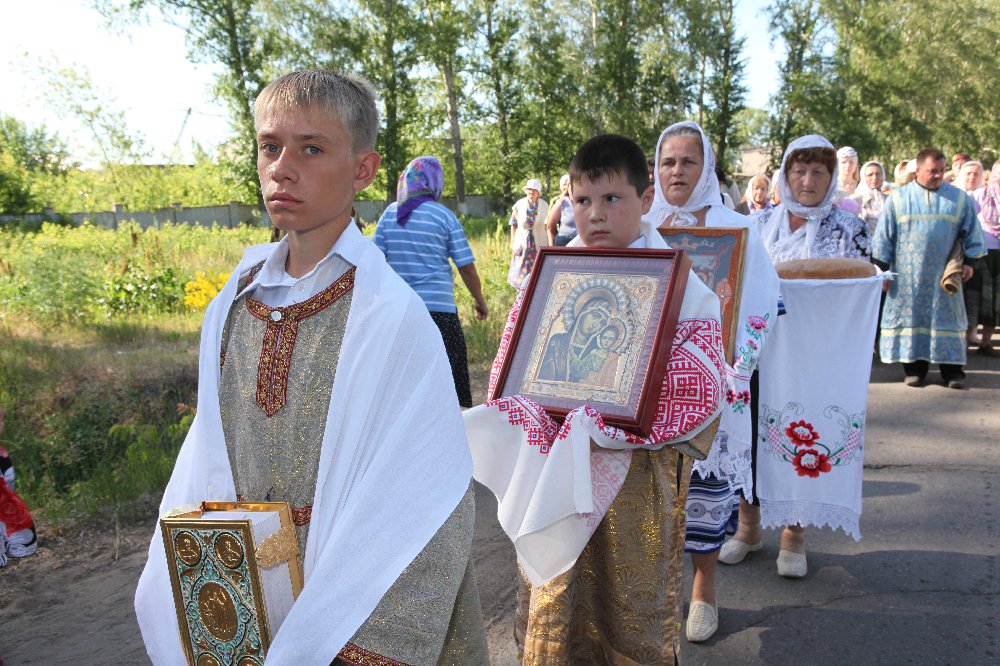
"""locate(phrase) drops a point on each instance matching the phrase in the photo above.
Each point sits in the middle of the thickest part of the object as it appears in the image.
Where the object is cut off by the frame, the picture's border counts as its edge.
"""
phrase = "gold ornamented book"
(235, 570)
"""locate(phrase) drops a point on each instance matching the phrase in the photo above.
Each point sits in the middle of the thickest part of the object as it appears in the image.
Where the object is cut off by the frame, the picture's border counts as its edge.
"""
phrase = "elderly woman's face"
(532, 193)
(681, 163)
(759, 192)
(970, 177)
(873, 177)
(808, 182)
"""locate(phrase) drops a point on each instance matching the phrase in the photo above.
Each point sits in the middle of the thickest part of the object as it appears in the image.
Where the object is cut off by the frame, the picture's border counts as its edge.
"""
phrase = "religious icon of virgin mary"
(564, 352)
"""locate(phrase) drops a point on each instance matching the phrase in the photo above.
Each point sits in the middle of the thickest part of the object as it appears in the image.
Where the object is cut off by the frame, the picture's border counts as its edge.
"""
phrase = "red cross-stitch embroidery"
(541, 428)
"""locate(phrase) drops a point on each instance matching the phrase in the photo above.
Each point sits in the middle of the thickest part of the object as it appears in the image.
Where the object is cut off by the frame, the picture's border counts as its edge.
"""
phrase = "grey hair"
(351, 99)
(685, 131)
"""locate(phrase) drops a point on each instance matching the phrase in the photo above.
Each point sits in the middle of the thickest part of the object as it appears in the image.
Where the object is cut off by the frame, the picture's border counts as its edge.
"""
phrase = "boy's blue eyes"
(272, 148)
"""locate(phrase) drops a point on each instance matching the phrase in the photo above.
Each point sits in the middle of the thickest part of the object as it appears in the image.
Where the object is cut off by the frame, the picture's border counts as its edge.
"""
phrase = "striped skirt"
(709, 514)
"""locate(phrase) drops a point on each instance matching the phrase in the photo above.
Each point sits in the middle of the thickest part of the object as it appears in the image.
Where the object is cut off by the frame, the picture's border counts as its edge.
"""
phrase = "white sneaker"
(702, 622)
(22, 543)
(734, 550)
(791, 565)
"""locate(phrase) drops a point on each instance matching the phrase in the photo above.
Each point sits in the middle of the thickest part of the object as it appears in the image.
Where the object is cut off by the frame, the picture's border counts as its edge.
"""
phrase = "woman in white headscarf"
(757, 195)
(848, 177)
(970, 178)
(869, 193)
(686, 193)
(805, 225)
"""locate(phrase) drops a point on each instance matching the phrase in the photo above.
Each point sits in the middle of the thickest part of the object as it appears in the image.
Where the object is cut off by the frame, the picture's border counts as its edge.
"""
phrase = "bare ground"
(71, 602)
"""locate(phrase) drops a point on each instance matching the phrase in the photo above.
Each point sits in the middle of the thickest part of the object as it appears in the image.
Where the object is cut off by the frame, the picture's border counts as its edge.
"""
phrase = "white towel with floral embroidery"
(814, 377)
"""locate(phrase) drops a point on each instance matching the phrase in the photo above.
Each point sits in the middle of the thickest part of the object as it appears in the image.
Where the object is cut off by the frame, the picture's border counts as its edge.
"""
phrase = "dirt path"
(71, 603)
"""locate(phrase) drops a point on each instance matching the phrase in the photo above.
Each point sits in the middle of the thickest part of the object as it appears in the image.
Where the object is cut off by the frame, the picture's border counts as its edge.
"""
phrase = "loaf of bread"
(825, 269)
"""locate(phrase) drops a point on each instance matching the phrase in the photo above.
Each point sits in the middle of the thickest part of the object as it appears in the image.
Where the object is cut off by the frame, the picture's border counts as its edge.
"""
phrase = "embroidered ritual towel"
(813, 393)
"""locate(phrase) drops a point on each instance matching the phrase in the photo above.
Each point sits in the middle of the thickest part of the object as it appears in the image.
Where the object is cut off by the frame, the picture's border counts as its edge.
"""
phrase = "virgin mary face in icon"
(564, 351)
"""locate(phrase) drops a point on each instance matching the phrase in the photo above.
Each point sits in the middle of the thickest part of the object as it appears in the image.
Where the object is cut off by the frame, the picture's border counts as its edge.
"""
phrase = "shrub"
(139, 292)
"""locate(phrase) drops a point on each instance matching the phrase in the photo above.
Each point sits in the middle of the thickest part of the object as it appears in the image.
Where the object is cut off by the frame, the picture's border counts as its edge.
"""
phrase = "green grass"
(96, 401)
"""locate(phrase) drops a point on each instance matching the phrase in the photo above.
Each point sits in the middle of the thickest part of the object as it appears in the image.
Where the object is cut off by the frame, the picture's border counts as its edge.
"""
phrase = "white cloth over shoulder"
(394, 464)
(552, 490)
(813, 394)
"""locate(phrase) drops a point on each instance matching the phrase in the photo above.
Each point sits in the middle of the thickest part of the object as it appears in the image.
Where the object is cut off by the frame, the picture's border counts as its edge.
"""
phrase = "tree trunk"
(448, 74)
(496, 80)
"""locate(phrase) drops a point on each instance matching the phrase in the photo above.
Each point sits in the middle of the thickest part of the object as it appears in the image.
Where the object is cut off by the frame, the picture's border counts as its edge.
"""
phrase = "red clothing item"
(13, 511)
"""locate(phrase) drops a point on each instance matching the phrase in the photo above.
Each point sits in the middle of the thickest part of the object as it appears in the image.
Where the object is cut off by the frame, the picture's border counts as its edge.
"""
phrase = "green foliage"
(93, 402)
(61, 274)
(26, 155)
(490, 242)
(136, 291)
(135, 464)
(138, 187)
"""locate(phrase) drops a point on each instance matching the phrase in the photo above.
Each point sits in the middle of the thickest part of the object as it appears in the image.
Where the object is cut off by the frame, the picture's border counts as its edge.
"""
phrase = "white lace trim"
(781, 513)
(731, 460)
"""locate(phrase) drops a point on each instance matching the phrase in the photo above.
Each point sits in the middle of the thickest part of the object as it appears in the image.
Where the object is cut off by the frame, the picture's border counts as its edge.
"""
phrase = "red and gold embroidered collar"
(279, 339)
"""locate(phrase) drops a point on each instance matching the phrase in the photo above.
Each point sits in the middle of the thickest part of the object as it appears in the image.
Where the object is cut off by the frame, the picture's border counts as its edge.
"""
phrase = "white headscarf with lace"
(783, 244)
(705, 192)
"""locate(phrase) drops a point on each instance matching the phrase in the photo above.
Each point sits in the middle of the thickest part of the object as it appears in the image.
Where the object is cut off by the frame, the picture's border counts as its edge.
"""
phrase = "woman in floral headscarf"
(418, 235)
(988, 199)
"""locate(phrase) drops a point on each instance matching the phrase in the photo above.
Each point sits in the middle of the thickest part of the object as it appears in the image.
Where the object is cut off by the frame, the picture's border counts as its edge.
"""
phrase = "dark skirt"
(454, 343)
(982, 292)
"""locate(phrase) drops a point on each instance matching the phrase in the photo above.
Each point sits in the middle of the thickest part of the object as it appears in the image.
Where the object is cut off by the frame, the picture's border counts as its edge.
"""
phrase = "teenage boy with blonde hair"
(597, 514)
(323, 382)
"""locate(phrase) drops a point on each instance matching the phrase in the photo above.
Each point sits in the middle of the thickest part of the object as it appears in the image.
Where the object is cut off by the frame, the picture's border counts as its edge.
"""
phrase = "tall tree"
(552, 111)
(913, 79)
(25, 155)
(804, 98)
(228, 32)
(497, 67)
(725, 83)
(617, 68)
(450, 30)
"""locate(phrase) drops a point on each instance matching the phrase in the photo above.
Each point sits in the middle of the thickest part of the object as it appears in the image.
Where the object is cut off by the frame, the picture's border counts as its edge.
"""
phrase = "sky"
(147, 72)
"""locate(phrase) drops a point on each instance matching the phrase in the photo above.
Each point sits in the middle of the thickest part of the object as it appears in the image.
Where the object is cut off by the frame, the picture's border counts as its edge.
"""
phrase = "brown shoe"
(988, 350)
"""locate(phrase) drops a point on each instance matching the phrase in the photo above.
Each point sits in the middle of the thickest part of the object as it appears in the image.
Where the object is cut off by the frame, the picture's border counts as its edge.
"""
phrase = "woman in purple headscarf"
(418, 236)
